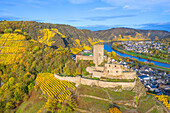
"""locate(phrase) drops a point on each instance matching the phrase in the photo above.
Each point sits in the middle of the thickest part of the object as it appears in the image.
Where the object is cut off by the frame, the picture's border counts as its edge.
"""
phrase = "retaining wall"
(78, 80)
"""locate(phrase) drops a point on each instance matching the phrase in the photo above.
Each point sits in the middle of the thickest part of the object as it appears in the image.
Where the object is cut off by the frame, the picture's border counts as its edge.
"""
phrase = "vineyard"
(53, 87)
(11, 44)
(48, 35)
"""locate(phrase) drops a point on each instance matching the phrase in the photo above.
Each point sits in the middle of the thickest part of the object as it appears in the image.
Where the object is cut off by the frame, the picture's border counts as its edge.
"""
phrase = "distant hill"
(117, 33)
(56, 35)
(166, 38)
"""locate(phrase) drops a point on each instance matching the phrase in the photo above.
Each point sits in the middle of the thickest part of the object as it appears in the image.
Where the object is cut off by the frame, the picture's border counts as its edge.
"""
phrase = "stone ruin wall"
(81, 57)
(78, 80)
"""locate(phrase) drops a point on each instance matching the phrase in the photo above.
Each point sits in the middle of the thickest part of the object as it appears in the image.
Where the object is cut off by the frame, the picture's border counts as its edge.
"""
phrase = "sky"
(91, 14)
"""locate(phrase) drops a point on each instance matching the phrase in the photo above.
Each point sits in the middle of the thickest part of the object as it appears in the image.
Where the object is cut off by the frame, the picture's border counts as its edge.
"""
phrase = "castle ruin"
(108, 70)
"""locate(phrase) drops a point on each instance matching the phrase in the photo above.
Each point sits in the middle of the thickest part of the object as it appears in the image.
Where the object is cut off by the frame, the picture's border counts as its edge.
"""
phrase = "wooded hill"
(57, 35)
(128, 33)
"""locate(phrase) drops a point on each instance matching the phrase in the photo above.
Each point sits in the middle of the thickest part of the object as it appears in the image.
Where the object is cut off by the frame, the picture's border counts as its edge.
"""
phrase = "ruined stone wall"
(98, 74)
(78, 80)
(113, 69)
(124, 75)
(80, 57)
(129, 75)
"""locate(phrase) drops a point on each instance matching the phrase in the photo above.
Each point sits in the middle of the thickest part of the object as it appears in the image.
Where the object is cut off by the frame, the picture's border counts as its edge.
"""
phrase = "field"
(123, 95)
(95, 91)
(11, 45)
(93, 105)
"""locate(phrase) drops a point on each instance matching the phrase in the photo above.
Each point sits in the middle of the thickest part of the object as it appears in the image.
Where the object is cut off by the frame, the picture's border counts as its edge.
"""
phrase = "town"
(144, 46)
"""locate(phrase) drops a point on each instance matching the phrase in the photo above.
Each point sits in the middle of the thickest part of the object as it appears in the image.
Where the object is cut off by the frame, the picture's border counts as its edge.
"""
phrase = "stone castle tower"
(98, 54)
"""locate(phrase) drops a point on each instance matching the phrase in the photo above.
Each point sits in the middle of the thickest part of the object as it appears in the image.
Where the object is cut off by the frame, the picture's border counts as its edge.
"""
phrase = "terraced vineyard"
(54, 87)
(48, 34)
(11, 45)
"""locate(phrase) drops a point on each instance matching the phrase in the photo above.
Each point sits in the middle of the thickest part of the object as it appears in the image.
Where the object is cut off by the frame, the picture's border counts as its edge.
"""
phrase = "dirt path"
(150, 109)
(108, 95)
(90, 96)
(82, 110)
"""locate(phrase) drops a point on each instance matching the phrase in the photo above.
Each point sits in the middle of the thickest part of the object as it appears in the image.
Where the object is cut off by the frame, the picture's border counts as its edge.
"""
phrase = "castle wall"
(98, 74)
(80, 57)
(85, 81)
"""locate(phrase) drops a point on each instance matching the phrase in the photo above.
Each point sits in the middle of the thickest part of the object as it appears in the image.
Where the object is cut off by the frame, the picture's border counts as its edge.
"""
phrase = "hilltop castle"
(103, 71)
(108, 70)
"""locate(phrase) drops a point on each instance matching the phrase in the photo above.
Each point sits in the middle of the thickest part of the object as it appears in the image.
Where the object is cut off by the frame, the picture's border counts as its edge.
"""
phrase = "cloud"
(8, 3)
(95, 27)
(103, 18)
(72, 20)
(41, 2)
(10, 18)
(104, 8)
(149, 26)
(126, 7)
(37, 20)
(80, 1)
(156, 26)
(140, 4)
(167, 11)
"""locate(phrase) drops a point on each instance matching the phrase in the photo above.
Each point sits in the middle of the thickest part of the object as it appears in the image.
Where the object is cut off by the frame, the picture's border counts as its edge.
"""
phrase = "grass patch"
(87, 54)
(146, 105)
(161, 68)
(94, 91)
(93, 105)
(124, 95)
(154, 111)
(120, 80)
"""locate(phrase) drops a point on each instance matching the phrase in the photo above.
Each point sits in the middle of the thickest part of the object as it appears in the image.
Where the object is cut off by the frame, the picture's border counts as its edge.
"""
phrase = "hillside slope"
(56, 35)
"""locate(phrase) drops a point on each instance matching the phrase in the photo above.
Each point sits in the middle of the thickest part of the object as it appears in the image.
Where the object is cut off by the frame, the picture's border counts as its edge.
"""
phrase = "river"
(107, 47)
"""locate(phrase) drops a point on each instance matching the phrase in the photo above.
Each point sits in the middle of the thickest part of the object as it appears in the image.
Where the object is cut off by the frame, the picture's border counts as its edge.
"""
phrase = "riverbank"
(140, 56)
(160, 68)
